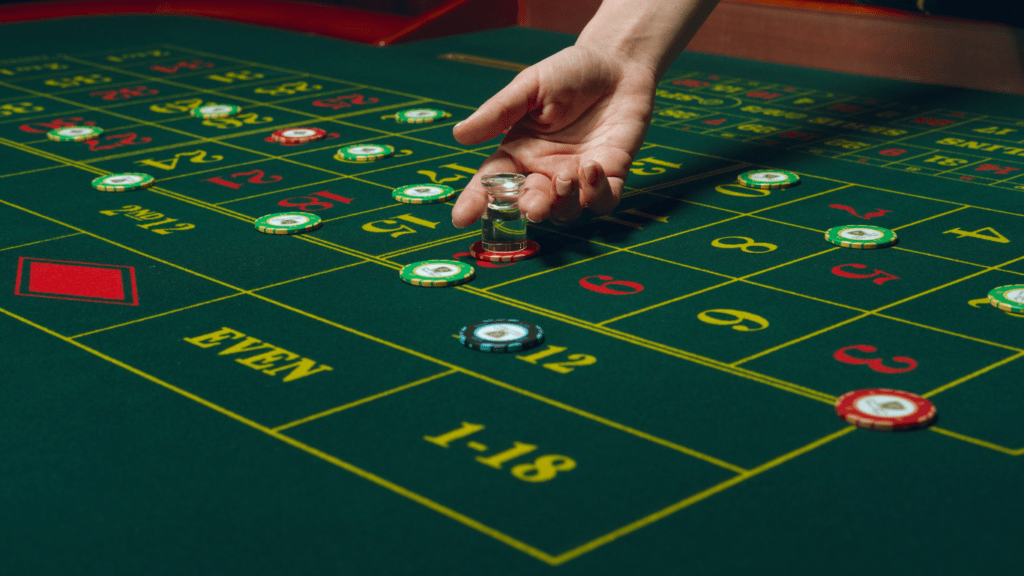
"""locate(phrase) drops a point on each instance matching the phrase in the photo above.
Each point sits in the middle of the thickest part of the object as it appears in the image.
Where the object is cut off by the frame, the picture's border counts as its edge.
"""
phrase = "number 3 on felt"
(876, 364)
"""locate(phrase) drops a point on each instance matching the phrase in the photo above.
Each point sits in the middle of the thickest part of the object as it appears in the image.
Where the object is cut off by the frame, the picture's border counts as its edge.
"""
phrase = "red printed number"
(995, 169)
(346, 101)
(311, 204)
(173, 69)
(691, 83)
(126, 139)
(125, 93)
(608, 287)
(882, 276)
(876, 364)
(257, 178)
(878, 211)
(44, 127)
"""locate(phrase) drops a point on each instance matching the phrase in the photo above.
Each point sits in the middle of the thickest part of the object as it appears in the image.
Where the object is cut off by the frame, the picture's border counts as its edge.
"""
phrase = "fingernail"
(590, 173)
(456, 225)
(457, 125)
(563, 187)
(531, 219)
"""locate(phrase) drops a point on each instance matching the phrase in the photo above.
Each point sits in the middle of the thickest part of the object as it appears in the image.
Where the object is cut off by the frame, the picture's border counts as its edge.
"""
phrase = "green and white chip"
(1009, 298)
(74, 133)
(437, 273)
(423, 193)
(123, 182)
(288, 223)
(364, 152)
(216, 111)
(861, 237)
(420, 115)
(768, 179)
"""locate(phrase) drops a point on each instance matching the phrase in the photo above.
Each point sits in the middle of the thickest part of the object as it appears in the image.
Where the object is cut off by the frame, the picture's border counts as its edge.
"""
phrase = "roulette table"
(182, 394)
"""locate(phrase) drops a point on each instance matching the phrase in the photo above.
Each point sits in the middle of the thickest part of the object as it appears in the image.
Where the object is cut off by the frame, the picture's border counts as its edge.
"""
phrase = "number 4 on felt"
(987, 233)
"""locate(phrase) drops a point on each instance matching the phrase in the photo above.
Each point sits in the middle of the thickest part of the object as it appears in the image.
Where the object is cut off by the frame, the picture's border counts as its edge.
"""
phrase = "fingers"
(537, 197)
(501, 111)
(567, 207)
(472, 203)
(598, 192)
(562, 199)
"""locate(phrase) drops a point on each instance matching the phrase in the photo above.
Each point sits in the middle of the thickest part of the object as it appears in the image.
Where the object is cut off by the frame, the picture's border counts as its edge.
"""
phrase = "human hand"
(578, 118)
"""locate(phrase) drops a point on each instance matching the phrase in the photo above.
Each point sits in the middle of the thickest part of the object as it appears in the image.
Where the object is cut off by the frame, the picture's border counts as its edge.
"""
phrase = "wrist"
(646, 33)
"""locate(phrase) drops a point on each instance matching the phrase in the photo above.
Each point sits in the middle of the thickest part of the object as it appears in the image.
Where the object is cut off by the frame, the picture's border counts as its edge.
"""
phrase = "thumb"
(501, 111)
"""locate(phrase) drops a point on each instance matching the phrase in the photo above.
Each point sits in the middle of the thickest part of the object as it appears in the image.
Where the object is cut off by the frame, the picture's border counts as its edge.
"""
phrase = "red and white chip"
(884, 409)
(298, 135)
(478, 252)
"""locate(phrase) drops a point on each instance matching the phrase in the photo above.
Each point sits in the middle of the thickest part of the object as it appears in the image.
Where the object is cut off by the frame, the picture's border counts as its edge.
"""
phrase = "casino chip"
(288, 223)
(861, 237)
(768, 179)
(437, 273)
(74, 133)
(501, 336)
(216, 111)
(478, 252)
(1009, 298)
(123, 182)
(365, 152)
(423, 193)
(884, 409)
(420, 115)
(298, 135)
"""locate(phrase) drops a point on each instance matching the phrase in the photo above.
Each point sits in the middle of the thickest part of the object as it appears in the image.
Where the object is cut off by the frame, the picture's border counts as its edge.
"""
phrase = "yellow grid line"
(40, 241)
(750, 375)
(361, 401)
(450, 513)
(652, 518)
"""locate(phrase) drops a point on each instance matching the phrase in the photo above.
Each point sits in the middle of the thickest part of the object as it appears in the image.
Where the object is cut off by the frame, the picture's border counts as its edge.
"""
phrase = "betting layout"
(211, 95)
(950, 144)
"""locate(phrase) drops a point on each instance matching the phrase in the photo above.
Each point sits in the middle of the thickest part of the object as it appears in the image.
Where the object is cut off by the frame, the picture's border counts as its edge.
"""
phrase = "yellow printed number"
(988, 233)
(241, 76)
(733, 318)
(289, 88)
(641, 168)
(237, 121)
(401, 229)
(195, 157)
(747, 245)
(19, 108)
(177, 106)
(575, 360)
(454, 178)
(984, 303)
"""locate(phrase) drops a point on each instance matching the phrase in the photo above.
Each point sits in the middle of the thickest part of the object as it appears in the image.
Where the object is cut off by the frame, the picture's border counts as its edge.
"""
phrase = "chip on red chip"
(298, 135)
(478, 252)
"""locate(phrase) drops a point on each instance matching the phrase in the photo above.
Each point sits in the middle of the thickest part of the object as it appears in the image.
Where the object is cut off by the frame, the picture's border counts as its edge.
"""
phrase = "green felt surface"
(184, 395)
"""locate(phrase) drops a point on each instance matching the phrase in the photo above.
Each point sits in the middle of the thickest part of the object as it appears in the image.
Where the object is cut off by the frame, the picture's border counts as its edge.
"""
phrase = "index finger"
(501, 111)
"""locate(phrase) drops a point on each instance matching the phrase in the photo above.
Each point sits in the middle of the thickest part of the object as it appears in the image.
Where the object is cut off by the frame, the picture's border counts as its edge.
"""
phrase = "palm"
(577, 119)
